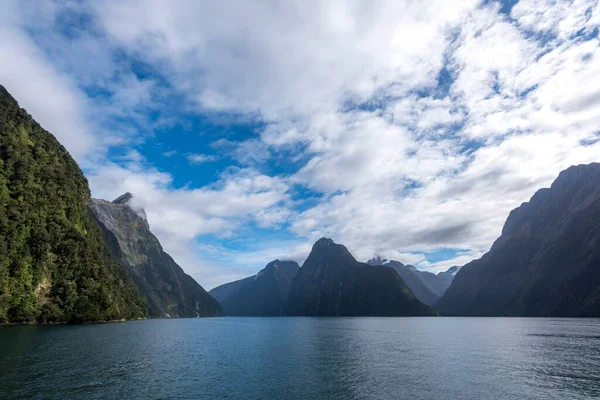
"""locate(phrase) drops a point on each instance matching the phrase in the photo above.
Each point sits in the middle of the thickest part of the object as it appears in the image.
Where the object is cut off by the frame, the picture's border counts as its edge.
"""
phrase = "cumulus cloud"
(195, 158)
(280, 59)
(239, 195)
(40, 87)
(169, 153)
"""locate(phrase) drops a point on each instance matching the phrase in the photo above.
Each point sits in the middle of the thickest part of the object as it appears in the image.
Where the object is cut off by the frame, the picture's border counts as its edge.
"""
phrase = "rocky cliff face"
(264, 294)
(547, 260)
(332, 283)
(168, 290)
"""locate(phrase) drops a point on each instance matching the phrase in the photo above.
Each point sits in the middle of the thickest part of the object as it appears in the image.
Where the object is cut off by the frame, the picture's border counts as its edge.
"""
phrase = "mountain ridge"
(427, 286)
(546, 262)
(331, 282)
(263, 294)
(412, 277)
(168, 290)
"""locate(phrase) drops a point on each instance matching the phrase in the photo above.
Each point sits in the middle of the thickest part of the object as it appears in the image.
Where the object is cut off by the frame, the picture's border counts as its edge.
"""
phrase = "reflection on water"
(302, 358)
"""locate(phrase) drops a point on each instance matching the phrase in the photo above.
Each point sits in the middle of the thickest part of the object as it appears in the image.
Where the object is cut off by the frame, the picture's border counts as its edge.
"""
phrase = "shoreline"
(2, 324)
(72, 323)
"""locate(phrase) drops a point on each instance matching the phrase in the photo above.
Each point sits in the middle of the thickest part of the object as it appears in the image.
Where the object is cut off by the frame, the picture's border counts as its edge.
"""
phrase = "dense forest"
(54, 265)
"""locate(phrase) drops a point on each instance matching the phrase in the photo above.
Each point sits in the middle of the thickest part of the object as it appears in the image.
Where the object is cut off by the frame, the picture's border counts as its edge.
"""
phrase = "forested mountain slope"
(54, 265)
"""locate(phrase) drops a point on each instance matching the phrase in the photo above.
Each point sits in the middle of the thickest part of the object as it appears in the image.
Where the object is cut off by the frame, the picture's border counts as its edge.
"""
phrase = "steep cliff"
(547, 260)
(168, 290)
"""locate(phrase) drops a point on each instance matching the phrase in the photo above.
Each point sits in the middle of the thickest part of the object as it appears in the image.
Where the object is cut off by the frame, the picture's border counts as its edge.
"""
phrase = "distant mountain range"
(169, 292)
(332, 283)
(263, 294)
(441, 282)
(427, 286)
(547, 260)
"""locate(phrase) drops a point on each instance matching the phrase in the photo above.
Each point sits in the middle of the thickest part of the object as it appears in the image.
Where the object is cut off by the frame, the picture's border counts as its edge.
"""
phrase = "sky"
(248, 130)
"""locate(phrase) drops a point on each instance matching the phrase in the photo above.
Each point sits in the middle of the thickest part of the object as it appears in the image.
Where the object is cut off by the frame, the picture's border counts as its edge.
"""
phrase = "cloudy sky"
(247, 130)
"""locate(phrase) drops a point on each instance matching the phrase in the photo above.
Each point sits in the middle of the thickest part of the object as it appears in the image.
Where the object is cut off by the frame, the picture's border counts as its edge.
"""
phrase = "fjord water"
(305, 358)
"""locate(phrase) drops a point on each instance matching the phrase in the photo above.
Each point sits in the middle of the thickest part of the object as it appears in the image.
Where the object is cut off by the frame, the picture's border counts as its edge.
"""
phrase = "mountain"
(447, 277)
(168, 290)
(439, 283)
(261, 295)
(427, 286)
(546, 261)
(412, 277)
(221, 293)
(54, 265)
(332, 283)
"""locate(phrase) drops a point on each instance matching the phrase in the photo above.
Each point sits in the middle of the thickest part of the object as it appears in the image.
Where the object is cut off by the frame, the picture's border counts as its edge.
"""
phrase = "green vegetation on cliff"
(54, 266)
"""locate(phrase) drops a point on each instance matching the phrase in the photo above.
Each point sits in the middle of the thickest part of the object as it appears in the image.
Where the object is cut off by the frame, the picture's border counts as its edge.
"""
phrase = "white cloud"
(196, 158)
(240, 194)
(421, 188)
(460, 259)
(248, 152)
(296, 59)
(562, 18)
(40, 88)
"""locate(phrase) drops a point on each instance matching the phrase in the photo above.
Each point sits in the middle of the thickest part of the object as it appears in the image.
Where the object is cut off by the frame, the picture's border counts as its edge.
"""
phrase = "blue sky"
(247, 130)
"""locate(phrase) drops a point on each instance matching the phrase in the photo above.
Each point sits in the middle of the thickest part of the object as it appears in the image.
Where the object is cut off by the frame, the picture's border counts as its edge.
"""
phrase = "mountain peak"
(126, 200)
(452, 270)
(280, 267)
(571, 192)
(326, 247)
(268, 268)
(376, 260)
(324, 242)
(577, 172)
(332, 283)
(123, 199)
(263, 294)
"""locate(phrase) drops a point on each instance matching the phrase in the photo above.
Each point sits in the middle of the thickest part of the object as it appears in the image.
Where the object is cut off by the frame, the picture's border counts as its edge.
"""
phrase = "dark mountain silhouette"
(547, 260)
(264, 294)
(412, 277)
(221, 293)
(332, 283)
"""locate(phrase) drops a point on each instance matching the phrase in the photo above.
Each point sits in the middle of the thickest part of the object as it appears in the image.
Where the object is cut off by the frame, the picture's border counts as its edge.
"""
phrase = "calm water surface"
(305, 358)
